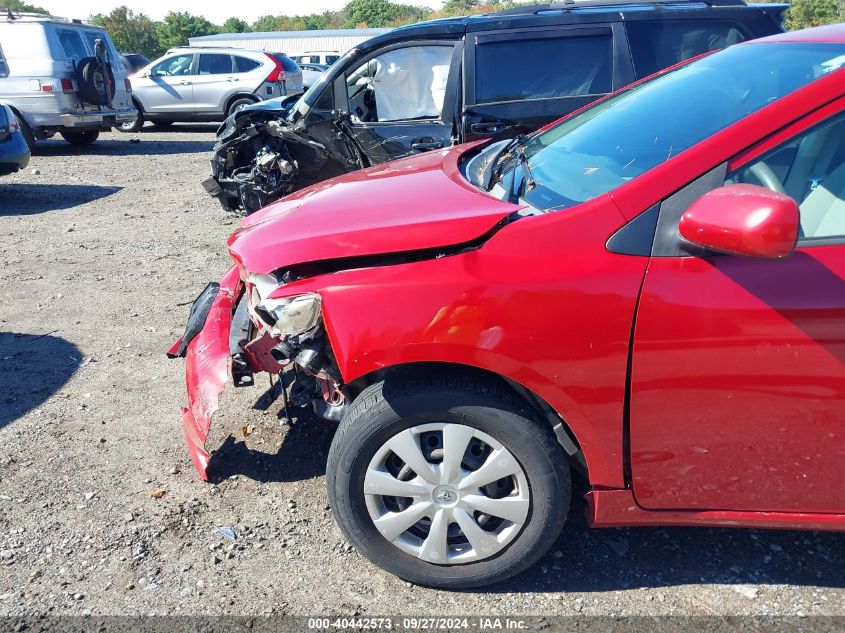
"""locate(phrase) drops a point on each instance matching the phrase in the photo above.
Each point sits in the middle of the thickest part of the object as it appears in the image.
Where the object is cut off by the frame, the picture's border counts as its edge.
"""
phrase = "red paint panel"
(738, 386)
(543, 303)
(618, 508)
(207, 369)
(415, 203)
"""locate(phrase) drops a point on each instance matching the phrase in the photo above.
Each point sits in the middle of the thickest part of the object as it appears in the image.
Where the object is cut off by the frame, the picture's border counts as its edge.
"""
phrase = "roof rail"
(14, 14)
(575, 4)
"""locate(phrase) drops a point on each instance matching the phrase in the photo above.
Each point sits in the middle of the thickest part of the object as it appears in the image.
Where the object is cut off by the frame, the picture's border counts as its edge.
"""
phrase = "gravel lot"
(102, 249)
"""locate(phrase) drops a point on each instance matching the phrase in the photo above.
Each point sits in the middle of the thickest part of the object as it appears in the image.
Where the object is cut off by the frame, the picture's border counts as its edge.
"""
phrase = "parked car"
(401, 93)
(209, 84)
(61, 76)
(322, 58)
(311, 74)
(14, 152)
(134, 61)
(649, 293)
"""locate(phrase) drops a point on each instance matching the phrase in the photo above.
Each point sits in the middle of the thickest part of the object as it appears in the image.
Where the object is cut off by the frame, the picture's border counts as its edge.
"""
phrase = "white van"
(61, 76)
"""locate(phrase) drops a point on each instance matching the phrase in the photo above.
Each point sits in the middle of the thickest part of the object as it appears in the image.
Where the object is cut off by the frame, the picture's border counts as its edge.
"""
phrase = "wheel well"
(565, 437)
(138, 105)
(235, 97)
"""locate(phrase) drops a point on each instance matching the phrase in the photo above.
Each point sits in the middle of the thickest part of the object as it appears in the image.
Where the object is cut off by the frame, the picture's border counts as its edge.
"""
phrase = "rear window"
(658, 45)
(71, 44)
(4, 66)
(93, 36)
(518, 70)
(287, 63)
(244, 64)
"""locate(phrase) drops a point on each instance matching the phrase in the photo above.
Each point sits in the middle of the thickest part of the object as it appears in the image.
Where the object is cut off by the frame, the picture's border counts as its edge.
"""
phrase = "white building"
(290, 42)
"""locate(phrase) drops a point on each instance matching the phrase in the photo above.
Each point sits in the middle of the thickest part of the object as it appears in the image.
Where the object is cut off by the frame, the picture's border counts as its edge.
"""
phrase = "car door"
(399, 101)
(519, 80)
(215, 81)
(168, 86)
(738, 372)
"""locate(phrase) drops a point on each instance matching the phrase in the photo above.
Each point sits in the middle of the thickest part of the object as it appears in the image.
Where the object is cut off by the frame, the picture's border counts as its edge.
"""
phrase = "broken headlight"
(290, 316)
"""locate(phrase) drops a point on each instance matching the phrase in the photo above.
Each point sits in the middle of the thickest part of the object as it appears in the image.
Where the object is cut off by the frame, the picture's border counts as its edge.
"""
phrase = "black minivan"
(433, 84)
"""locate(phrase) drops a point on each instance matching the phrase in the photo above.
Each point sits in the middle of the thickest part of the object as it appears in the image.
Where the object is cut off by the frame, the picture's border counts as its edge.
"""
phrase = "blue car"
(14, 152)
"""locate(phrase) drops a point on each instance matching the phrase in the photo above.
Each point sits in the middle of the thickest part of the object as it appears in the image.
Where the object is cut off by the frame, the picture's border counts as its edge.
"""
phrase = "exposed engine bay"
(261, 157)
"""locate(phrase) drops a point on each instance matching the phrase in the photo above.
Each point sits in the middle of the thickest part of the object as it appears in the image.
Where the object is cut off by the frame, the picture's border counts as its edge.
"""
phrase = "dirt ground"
(102, 251)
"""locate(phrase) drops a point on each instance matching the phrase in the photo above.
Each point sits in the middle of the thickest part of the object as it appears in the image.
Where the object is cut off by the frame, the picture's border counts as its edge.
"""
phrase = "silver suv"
(61, 76)
(208, 84)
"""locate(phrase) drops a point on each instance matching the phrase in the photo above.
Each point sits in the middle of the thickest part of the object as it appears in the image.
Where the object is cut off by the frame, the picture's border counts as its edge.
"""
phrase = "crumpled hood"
(410, 204)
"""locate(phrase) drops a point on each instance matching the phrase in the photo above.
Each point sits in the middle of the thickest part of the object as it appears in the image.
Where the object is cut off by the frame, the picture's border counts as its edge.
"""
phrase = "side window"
(244, 64)
(560, 67)
(330, 59)
(71, 44)
(4, 66)
(173, 66)
(810, 169)
(660, 44)
(215, 64)
(401, 84)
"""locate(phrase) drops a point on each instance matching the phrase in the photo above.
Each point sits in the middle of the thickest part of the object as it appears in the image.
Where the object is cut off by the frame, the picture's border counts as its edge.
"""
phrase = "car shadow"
(595, 560)
(32, 198)
(183, 128)
(614, 559)
(302, 455)
(32, 368)
(130, 145)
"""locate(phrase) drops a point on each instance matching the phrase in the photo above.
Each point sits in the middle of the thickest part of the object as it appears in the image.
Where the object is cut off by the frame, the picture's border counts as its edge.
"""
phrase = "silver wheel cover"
(460, 500)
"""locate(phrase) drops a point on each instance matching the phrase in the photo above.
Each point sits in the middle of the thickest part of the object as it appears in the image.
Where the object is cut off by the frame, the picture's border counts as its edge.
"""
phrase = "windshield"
(626, 135)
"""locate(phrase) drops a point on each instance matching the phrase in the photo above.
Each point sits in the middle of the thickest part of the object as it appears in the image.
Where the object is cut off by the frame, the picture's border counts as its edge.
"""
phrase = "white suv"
(208, 84)
(61, 76)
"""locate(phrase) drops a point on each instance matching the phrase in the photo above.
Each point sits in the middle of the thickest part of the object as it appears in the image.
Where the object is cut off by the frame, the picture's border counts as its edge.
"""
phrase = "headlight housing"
(291, 316)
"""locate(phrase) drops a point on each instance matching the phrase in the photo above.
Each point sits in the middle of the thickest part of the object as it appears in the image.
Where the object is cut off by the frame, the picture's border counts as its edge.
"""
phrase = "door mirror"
(743, 220)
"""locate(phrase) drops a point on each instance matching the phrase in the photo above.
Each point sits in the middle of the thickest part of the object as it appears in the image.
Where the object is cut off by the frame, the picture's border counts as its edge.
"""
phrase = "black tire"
(135, 124)
(26, 131)
(237, 104)
(95, 86)
(81, 137)
(162, 125)
(406, 400)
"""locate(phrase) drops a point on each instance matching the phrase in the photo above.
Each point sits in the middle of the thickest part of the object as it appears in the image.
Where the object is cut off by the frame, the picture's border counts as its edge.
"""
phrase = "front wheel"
(447, 481)
(85, 137)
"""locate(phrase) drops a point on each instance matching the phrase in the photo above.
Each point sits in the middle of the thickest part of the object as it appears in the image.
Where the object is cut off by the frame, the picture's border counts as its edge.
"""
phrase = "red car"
(649, 293)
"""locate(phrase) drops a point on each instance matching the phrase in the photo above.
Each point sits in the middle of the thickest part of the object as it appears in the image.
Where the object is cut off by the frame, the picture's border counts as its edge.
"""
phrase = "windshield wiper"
(492, 173)
(527, 183)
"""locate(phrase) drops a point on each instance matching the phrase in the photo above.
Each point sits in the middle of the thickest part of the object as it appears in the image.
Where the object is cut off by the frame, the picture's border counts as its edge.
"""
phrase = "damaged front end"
(261, 156)
(235, 325)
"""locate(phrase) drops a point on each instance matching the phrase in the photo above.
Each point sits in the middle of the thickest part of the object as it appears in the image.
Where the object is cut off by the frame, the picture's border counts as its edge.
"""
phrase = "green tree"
(17, 5)
(379, 13)
(806, 13)
(178, 26)
(130, 32)
(234, 25)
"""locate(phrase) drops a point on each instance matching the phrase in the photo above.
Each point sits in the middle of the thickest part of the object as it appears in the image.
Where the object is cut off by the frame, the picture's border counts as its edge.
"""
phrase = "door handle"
(232, 79)
(425, 144)
(184, 83)
(490, 127)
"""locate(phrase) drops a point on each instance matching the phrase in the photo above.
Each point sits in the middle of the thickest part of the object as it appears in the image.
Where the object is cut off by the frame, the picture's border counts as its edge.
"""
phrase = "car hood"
(412, 204)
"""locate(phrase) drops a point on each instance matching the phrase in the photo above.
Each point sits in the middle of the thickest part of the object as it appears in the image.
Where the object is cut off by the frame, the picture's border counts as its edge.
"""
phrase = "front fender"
(542, 303)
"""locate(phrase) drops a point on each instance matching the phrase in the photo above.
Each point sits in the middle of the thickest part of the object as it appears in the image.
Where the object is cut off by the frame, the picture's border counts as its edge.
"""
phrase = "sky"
(213, 10)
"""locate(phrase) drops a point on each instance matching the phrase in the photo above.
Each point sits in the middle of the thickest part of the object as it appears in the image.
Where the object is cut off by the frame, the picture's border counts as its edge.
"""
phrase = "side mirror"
(743, 220)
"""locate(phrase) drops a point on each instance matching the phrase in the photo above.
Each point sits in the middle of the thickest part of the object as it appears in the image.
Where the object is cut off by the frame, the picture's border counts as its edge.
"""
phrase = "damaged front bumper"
(205, 346)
